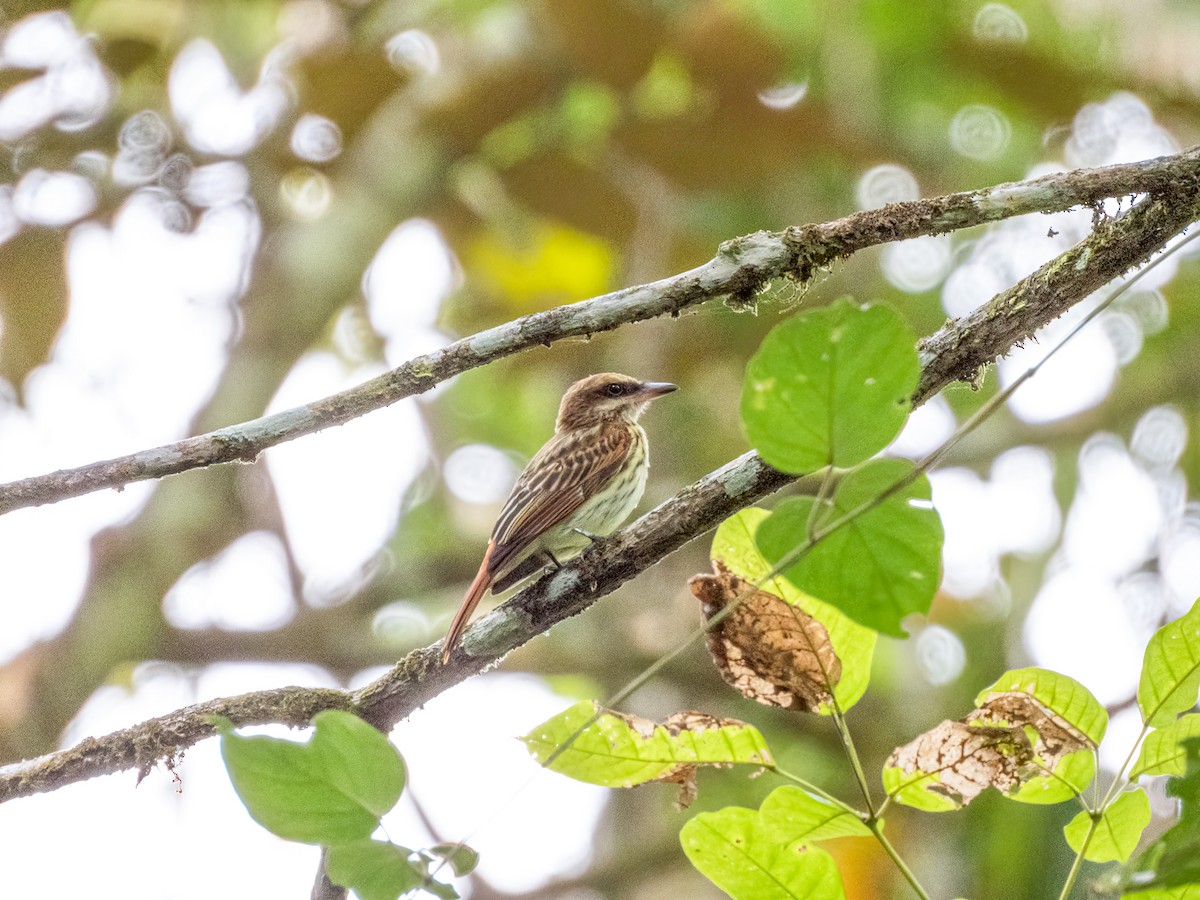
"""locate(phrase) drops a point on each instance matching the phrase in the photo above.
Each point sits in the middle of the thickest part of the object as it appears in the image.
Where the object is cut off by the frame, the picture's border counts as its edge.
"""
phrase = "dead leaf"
(676, 723)
(685, 777)
(966, 758)
(697, 722)
(1005, 743)
(1053, 738)
(768, 649)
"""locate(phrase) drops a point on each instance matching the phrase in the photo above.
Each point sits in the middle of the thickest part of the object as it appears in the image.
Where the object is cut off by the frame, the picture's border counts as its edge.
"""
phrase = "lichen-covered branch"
(162, 739)
(954, 352)
(960, 349)
(742, 267)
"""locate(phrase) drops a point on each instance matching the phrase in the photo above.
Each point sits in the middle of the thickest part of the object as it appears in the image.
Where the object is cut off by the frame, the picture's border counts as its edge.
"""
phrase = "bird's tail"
(475, 592)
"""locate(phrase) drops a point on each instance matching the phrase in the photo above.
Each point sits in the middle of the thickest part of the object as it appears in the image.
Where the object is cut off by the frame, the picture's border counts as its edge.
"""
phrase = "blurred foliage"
(563, 148)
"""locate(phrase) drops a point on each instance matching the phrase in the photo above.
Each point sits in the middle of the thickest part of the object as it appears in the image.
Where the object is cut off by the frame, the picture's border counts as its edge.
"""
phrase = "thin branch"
(607, 564)
(742, 267)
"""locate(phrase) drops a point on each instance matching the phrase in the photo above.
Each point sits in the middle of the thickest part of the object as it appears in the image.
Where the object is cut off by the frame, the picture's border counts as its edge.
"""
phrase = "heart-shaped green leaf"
(830, 386)
(330, 790)
(878, 568)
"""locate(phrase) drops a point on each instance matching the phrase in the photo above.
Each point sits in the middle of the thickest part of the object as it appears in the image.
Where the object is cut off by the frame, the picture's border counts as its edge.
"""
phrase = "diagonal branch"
(1008, 319)
(741, 268)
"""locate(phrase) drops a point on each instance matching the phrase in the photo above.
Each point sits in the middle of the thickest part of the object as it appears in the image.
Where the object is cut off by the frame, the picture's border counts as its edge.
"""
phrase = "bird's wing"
(557, 481)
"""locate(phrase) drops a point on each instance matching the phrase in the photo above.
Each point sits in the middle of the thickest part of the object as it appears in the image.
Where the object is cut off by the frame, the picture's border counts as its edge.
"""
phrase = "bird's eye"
(614, 389)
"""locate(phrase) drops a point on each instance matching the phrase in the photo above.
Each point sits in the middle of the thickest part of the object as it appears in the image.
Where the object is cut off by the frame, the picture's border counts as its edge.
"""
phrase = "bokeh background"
(216, 208)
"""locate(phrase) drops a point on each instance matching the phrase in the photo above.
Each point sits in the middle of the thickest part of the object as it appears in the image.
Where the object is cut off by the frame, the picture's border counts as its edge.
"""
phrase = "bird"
(581, 485)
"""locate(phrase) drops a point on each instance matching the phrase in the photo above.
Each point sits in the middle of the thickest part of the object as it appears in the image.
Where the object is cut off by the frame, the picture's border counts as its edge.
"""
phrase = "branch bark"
(1012, 317)
(741, 268)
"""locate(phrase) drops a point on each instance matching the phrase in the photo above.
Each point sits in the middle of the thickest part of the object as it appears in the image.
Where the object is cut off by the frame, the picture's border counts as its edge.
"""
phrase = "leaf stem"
(1076, 866)
(1098, 813)
(823, 794)
(876, 827)
(873, 820)
(822, 497)
(839, 720)
(1119, 778)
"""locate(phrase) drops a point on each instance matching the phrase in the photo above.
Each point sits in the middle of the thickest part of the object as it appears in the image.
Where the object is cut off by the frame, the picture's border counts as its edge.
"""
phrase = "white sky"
(153, 314)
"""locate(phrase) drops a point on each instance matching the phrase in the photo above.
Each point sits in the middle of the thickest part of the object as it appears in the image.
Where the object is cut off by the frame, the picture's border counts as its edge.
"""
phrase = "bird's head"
(605, 397)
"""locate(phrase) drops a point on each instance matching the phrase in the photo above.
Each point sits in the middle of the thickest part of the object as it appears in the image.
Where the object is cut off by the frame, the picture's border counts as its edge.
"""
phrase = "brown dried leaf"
(1054, 738)
(685, 777)
(1007, 742)
(677, 723)
(965, 758)
(697, 722)
(768, 649)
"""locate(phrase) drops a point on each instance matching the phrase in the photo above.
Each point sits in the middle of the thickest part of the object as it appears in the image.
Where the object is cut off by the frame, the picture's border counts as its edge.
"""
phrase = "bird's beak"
(654, 389)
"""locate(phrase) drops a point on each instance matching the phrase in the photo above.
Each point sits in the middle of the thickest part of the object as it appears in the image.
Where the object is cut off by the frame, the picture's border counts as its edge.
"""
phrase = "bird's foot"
(587, 534)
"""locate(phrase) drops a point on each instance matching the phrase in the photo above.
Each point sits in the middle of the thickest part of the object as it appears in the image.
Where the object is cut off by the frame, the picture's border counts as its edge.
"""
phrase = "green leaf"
(749, 860)
(1171, 670)
(880, 567)
(919, 790)
(375, 870)
(735, 544)
(330, 790)
(617, 750)
(1070, 778)
(1162, 752)
(462, 859)
(1180, 859)
(830, 386)
(1173, 861)
(439, 890)
(799, 817)
(1118, 831)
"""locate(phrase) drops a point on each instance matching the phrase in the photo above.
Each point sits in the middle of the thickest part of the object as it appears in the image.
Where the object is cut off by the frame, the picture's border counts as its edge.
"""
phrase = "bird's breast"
(603, 512)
